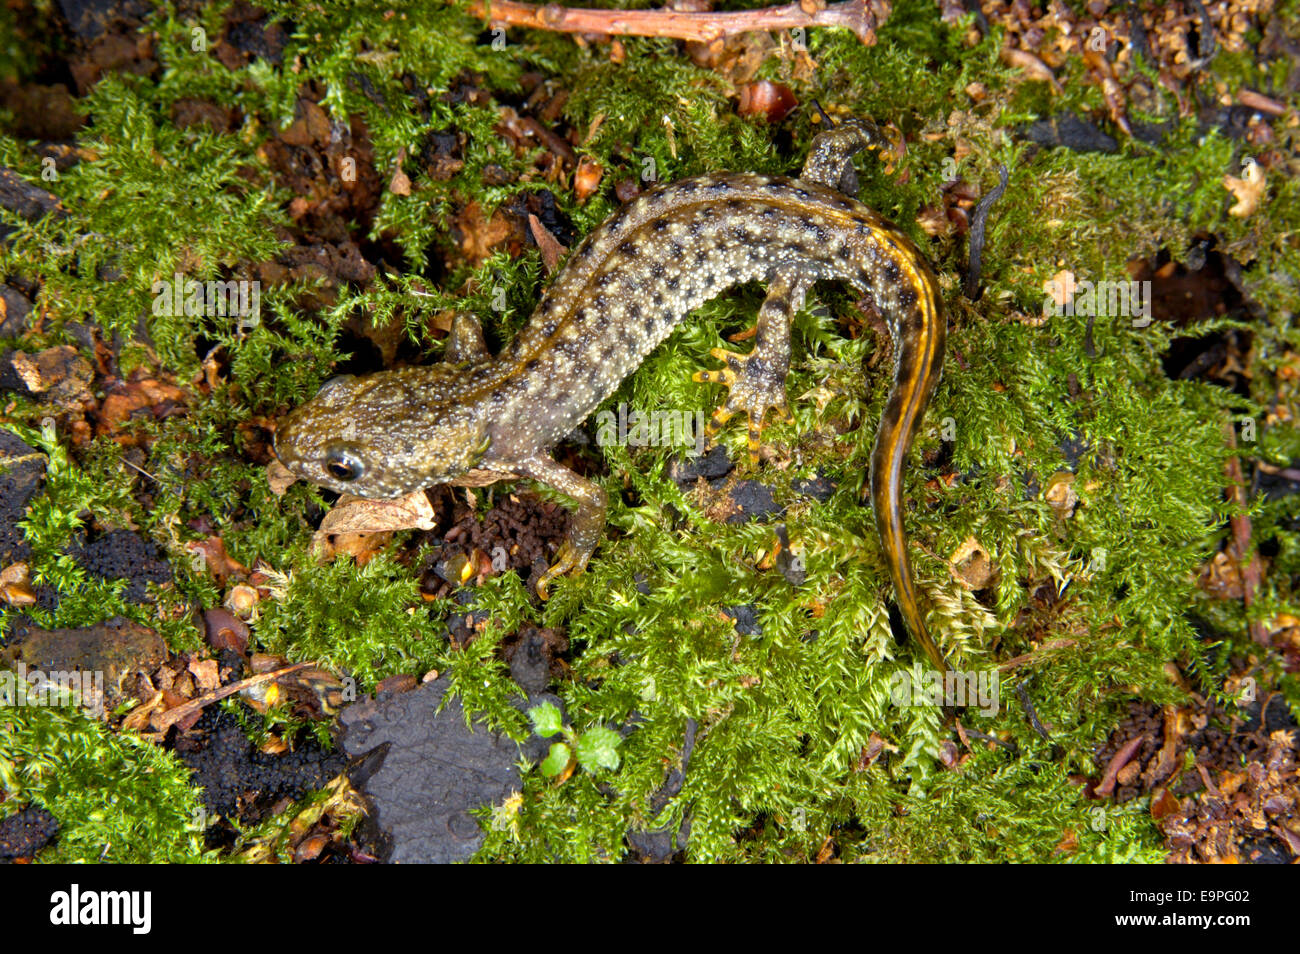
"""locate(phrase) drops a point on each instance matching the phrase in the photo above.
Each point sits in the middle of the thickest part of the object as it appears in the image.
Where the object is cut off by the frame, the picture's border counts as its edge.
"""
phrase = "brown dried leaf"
(971, 565)
(586, 179)
(126, 399)
(550, 247)
(225, 631)
(1068, 844)
(211, 554)
(360, 527)
(15, 587)
(1165, 805)
(1033, 67)
(1061, 495)
(279, 477)
(400, 183)
(206, 673)
(479, 236)
(1249, 190)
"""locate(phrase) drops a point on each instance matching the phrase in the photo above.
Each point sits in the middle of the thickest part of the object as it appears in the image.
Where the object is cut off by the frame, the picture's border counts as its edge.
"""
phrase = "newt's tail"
(919, 334)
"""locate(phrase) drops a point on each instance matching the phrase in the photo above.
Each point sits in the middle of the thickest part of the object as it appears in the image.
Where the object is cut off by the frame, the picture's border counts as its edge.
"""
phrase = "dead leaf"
(1060, 493)
(479, 235)
(1249, 190)
(128, 398)
(1061, 288)
(210, 555)
(354, 525)
(138, 719)
(279, 477)
(205, 672)
(1165, 805)
(1068, 843)
(1033, 67)
(871, 751)
(15, 587)
(225, 631)
(309, 848)
(586, 179)
(400, 183)
(971, 565)
(357, 515)
(551, 249)
(1291, 838)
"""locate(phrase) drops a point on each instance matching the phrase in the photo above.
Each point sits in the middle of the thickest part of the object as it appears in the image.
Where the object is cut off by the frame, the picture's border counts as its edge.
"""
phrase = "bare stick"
(860, 16)
(1247, 558)
(174, 715)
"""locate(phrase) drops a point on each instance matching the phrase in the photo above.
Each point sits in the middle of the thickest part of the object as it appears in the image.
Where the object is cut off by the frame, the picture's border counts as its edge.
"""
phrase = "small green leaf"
(557, 760)
(546, 719)
(598, 748)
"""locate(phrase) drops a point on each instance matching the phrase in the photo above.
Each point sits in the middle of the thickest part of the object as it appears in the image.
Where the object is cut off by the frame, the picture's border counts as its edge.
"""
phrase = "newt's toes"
(720, 417)
(566, 560)
(754, 387)
(724, 376)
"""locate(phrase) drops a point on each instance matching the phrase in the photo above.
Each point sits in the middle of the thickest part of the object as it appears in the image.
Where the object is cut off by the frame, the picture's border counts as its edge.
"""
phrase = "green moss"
(117, 798)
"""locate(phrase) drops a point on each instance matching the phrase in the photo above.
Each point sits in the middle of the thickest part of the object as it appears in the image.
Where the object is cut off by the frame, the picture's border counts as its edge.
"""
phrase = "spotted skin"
(624, 290)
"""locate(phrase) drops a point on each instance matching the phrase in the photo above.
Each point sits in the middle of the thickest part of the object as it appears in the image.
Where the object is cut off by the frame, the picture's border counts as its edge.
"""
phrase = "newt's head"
(386, 435)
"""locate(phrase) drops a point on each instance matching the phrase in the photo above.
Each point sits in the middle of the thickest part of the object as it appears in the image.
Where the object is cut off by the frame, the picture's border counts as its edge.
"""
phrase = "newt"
(475, 418)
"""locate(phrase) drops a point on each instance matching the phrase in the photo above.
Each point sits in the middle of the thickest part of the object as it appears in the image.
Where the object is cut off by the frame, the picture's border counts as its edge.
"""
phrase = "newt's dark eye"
(343, 466)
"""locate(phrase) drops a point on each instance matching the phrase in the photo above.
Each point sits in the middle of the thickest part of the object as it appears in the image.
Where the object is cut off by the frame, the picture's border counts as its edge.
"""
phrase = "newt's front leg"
(830, 157)
(588, 519)
(756, 381)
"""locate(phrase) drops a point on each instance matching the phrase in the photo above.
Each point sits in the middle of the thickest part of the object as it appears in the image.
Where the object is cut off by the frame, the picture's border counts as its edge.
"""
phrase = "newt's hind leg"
(588, 524)
(830, 157)
(756, 381)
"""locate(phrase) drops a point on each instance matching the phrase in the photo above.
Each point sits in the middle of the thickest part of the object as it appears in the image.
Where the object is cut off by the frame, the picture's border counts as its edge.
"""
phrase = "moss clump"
(117, 798)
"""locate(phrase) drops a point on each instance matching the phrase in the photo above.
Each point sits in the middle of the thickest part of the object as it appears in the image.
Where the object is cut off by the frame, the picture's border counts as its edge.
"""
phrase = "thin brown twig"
(860, 16)
(172, 716)
(1049, 646)
(1286, 473)
(1240, 549)
(1117, 762)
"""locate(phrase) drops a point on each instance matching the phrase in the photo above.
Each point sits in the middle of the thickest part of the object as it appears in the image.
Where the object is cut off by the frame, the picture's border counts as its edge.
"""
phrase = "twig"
(978, 220)
(1206, 47)
(1138, 32)
(1017, 661)
(1030, 712)
(172, 716)
(860, 16)
(984, 737)
(1117, 762)
(1248, 562)
(1286, 473)
(981, 21)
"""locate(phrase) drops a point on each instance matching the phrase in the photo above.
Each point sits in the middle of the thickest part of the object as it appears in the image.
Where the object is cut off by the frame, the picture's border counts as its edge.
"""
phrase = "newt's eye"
(337, 379)
(344, 466)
